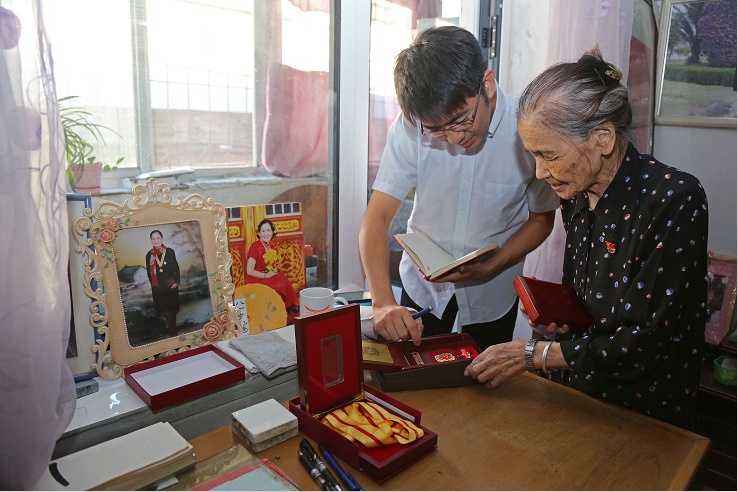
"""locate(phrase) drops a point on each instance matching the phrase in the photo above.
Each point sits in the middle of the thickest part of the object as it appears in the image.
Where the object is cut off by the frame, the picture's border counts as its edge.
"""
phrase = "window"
(237, 92)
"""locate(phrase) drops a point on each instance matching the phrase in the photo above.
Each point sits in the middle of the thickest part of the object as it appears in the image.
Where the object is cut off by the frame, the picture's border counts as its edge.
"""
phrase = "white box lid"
(264, 420)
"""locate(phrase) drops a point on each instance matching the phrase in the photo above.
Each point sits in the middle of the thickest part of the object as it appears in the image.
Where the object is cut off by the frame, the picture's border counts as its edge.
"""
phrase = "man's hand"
(469, 271)
(396, 323)
(498, 363)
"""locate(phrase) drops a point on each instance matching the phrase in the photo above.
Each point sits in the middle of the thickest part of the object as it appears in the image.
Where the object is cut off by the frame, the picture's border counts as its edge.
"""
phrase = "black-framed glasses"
(461, 126)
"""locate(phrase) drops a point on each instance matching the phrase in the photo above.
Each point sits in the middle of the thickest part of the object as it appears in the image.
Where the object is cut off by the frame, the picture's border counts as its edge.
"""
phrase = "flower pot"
(87, 177)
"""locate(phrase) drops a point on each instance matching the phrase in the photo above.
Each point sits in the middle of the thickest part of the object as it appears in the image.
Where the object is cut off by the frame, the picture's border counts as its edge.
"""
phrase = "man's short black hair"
(437, 73)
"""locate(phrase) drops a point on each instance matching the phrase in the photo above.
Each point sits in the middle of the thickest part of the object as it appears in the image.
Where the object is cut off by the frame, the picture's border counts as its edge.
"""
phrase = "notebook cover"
(548, 302)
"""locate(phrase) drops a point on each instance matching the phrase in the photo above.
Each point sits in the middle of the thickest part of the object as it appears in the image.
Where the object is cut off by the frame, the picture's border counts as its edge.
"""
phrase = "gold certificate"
(376, 352)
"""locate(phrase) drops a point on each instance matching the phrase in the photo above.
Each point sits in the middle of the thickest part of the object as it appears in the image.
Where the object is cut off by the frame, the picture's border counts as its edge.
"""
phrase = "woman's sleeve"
(672, 257)
(253, 253)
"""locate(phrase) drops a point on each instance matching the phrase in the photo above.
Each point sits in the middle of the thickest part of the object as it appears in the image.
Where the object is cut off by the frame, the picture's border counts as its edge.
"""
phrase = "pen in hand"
(314, 472)
(422, 312)
(309, 451)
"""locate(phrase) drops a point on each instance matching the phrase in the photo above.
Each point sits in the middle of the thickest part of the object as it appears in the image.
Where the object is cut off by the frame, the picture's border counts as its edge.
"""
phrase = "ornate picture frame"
(165, 266)
(82, 336)
(721, 296)
(694, 88)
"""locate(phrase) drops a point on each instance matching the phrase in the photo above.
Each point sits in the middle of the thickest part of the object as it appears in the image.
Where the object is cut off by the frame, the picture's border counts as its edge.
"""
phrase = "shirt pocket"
(503, 206)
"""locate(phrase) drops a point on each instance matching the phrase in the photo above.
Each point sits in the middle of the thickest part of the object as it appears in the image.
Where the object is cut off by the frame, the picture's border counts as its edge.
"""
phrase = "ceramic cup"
(317, 299)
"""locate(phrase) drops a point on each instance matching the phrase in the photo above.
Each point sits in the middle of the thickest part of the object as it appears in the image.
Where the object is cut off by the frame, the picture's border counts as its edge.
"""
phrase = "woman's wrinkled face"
(156, 240)
(569, 166)
(266, 233)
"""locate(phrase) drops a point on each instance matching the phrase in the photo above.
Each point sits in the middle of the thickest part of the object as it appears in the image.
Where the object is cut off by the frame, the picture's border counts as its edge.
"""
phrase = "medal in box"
(439, 362)
(331, 380)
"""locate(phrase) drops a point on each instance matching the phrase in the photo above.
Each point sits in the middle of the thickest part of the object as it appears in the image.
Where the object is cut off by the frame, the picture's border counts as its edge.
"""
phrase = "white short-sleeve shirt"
(463, 202)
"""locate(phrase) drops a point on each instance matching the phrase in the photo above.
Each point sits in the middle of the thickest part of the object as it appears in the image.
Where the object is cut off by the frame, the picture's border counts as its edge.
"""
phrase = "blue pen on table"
(348, 479)
(314, 472)
(423, 312)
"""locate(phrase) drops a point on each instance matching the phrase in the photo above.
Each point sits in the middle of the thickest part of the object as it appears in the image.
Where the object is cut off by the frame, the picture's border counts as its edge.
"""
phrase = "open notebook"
(433, 260)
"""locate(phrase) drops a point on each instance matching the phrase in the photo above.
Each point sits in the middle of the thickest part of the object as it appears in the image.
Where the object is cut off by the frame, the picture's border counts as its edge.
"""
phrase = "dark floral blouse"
(638, 263)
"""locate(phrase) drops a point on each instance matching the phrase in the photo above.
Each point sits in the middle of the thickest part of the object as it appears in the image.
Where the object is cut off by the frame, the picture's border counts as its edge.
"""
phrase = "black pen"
(348, 479)
(422, 312)
(313, 456)
(314, 472)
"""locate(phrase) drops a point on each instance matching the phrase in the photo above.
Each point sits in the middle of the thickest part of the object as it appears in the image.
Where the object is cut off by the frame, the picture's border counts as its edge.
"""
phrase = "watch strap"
(529, 348)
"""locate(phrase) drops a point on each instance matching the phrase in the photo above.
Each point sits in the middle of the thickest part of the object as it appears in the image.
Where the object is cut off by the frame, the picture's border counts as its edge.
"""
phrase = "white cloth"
(464, 202)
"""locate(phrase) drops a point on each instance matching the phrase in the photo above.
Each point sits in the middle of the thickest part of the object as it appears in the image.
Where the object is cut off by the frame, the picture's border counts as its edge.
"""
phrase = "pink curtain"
(295, 136)
(37, 394)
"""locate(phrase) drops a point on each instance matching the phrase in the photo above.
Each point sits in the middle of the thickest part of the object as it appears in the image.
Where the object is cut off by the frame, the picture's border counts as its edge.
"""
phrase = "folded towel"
(270, 353)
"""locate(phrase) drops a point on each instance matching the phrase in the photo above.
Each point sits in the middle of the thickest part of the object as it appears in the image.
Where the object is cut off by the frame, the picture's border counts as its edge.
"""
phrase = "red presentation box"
(331, 376)
(548, 302)
(173, 379)
(439, 362)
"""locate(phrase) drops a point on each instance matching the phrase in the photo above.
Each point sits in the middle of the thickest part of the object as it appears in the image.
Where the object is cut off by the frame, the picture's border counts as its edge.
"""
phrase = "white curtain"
(541, 34)
(37, 393)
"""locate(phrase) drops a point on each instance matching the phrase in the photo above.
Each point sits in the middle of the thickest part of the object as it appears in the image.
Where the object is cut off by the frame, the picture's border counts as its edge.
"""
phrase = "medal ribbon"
(372, 425)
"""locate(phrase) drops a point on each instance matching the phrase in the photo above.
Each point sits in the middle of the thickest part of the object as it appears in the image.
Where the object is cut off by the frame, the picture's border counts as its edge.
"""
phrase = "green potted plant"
(83, 172)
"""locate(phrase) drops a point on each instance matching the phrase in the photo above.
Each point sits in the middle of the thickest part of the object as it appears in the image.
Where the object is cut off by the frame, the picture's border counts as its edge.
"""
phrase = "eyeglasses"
(461, 126)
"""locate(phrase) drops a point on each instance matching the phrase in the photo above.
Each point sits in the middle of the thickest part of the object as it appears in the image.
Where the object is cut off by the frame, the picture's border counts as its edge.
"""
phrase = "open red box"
(439, 362)
(331, 376)
(179, 377)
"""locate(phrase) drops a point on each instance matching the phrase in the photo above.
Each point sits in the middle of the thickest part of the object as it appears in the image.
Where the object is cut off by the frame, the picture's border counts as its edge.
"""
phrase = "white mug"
(317, 299)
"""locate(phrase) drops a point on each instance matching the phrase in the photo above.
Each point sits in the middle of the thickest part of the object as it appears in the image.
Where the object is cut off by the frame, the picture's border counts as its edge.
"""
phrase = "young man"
(456, 142)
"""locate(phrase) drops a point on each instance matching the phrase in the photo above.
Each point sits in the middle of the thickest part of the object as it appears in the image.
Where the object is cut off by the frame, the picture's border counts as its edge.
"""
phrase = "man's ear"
(604, 138)
(489, 83)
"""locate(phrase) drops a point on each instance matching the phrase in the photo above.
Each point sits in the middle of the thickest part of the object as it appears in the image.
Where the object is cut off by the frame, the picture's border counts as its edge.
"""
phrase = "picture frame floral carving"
(165, 266)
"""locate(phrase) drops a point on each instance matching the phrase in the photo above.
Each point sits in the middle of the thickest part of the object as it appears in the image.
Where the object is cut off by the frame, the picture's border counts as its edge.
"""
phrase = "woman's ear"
(605, 137)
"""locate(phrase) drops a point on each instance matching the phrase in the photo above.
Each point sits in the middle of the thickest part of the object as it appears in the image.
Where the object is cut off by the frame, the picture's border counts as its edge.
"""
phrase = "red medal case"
(439, 362)
(331, 376)
(182, 376)
(548, 302)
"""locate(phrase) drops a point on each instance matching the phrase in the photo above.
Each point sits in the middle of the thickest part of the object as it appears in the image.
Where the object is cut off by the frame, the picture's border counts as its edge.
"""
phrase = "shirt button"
(466, 182)
(458, 237)
(463, 211)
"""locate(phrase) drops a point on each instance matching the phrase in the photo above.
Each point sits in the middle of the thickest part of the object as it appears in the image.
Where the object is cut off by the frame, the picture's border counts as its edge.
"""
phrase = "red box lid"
(329, 362)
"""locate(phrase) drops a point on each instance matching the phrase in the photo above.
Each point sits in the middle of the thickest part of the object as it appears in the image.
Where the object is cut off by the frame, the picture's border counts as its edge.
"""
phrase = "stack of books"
(129, 462)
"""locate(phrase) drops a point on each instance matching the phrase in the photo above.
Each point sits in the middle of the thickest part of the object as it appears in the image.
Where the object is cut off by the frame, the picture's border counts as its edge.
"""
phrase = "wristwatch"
(529, 348)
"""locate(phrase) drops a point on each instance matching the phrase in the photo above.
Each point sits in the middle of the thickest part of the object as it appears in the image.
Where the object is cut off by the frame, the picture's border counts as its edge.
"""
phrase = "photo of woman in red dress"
(261, 266)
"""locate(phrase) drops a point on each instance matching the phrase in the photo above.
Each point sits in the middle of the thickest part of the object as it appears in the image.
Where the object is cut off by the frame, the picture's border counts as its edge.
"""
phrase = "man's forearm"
(530, 235)
(374, 251)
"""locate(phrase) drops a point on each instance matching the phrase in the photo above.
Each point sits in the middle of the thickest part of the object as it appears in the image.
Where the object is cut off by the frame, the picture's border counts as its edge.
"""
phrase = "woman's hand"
(269, 274)
(498, 363)
(396, 323)
(551, 328)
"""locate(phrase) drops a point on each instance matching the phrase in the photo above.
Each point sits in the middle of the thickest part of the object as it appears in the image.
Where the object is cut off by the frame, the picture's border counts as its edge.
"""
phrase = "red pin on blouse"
(610, 247)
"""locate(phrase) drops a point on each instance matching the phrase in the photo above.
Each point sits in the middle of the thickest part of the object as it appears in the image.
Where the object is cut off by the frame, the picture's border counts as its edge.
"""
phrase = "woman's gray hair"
(574, 99)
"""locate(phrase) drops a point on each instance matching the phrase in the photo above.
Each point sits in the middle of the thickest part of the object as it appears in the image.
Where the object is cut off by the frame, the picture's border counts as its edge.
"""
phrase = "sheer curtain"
(37, 393)
(544, 33)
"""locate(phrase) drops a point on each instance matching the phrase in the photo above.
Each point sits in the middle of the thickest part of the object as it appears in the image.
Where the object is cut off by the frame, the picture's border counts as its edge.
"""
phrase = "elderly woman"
(636, 251)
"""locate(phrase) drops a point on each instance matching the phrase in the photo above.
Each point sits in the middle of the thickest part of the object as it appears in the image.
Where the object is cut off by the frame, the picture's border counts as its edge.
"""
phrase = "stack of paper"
(128, 462)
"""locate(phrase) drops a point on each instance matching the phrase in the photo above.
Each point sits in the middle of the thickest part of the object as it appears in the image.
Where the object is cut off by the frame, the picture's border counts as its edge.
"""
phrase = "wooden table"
(530, 434)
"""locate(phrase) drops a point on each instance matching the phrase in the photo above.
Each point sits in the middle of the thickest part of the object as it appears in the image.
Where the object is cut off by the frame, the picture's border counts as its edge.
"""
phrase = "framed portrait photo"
(697, 63)
(166, 269)
(721, 295)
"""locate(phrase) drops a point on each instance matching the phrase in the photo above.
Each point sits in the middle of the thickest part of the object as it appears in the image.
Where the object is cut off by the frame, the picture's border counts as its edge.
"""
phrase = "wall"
(710, 154)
